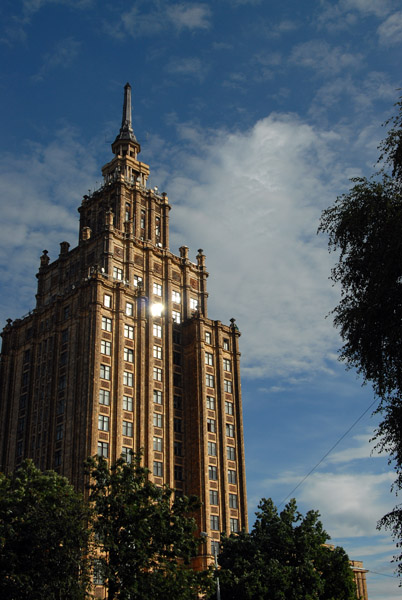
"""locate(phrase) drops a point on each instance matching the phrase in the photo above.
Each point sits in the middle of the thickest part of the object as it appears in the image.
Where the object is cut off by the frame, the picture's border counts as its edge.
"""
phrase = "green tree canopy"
(365, 227)
(43, 533)
(283, 558)
(146, 539)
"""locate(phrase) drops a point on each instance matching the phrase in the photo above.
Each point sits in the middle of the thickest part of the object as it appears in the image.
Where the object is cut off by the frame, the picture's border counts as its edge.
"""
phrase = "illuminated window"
(127, 403)
(157, 289)
(158, 420)
(227, 386)
(105, 372)
(176, 297)
(127, 429)
(104, 397)
(208, 337)
(176, 316)
(129, 309)
(138, 281)
(128, 355)
(157, 352)
(103, 423)
(211, 402)
(129, 332)
(117, 273)
(229, 408)
(227, 364)
(106, 347)
(209, 359)
(193, 304)
(157, 330)
(225, 344)
(128, 378)
(103, 449)
(158, 444)
(157, 397)
(157, 374)
(106, 324)
(107, 300)
(211, 448)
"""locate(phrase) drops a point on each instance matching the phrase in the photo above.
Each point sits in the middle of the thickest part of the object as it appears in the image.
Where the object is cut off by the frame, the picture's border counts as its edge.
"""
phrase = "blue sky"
(253, 115)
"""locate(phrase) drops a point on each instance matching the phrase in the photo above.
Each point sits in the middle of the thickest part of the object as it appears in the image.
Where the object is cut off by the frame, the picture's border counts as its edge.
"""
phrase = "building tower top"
(126, 133)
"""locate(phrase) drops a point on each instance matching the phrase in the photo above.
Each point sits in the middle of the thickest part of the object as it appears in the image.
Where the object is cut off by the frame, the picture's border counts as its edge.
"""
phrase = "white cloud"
(189, 16)
(252, 200)
(345, 13)
(320, 56)
(390, 31)
(188, 67)
(364, 449)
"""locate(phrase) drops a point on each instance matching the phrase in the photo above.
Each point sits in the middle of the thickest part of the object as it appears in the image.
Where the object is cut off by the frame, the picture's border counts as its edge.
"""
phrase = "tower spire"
(126, 129)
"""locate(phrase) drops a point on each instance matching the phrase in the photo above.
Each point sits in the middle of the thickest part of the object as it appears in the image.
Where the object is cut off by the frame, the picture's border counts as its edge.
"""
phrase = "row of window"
(210, 382)
(104, 398)
(158, 470)
(213, 474)
(214, 499)
(208, 340)
(209, 360)
(211, 427)
(230, 451)
(234, 524)
(156, 289)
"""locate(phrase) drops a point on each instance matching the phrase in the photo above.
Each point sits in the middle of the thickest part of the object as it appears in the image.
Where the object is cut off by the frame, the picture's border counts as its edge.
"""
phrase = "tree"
(146, 540)
(43, 537)
(283, 558)
(365, 226)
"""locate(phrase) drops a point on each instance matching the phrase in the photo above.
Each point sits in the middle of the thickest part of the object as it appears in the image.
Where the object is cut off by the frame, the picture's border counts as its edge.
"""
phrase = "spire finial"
(126, 129)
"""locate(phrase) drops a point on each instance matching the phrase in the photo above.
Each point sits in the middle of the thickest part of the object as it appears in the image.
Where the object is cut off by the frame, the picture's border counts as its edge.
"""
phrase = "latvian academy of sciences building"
(119, 354)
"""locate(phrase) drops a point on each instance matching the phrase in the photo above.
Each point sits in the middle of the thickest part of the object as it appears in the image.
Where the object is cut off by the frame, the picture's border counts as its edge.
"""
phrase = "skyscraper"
(119, 353)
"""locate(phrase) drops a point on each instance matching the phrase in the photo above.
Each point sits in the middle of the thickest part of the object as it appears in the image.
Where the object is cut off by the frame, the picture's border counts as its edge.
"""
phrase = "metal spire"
(126, 129)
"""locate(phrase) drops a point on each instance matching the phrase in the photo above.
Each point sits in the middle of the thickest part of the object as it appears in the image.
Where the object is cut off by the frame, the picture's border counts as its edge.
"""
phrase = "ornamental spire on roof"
(126, 129)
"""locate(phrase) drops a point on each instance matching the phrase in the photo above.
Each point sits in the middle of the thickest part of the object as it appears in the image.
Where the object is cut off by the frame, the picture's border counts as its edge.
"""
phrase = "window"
(129, 355)
(129, 309)
(60, 407)
(64, 336)
(178, 449)
(176, 297)
(229, 430)
(158, 420)
(107, 301)
(127, 403)
(157, 397)
(157, 226)
(232, 476)
(215, 522)
(157, 374)
(142, 219)
(126, 454)
(229, 408)
(103, 423)
(106, 347)
(177, 402)
(176, 380)
(177, 425)
(227, 386)
(106, 324)
(62, 382)
(231, 453)
(225, 344)
(158, 468)
(234, 525)
(211, 402)
(178, 473)
(177, 358)
(213, 497)
(138, 281)
(128, 378)
(227, 364)
(59, 432)
(176, 316)
(127, 429)
(211, 448)
(157, 352)
(214, 548)
(104, 397)
(209, 380)
(157, 289)
(158, 444)
(212, 472)
(208, 337)
(105, 372)
(157, 330)
(129, 332)
(232, 501)
(209, 358)
(63, 358)
(193, 304)
(118, 273)
(103, 449)
(176, 337)
(66, 312)
(211, 425)
(57, 458)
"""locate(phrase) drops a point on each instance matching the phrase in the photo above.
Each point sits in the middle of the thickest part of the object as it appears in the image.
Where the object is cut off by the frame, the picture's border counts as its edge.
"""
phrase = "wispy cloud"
(63, 55)
(153, 17)
(322, 57)
(390, 31)
(187, 67)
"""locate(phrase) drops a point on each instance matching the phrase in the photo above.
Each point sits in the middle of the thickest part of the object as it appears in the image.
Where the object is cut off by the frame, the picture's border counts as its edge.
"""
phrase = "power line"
(383, 574)
(329, 452)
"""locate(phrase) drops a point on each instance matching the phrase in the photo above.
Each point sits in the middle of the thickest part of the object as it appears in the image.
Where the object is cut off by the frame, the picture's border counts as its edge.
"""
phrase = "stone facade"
(119, 354)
